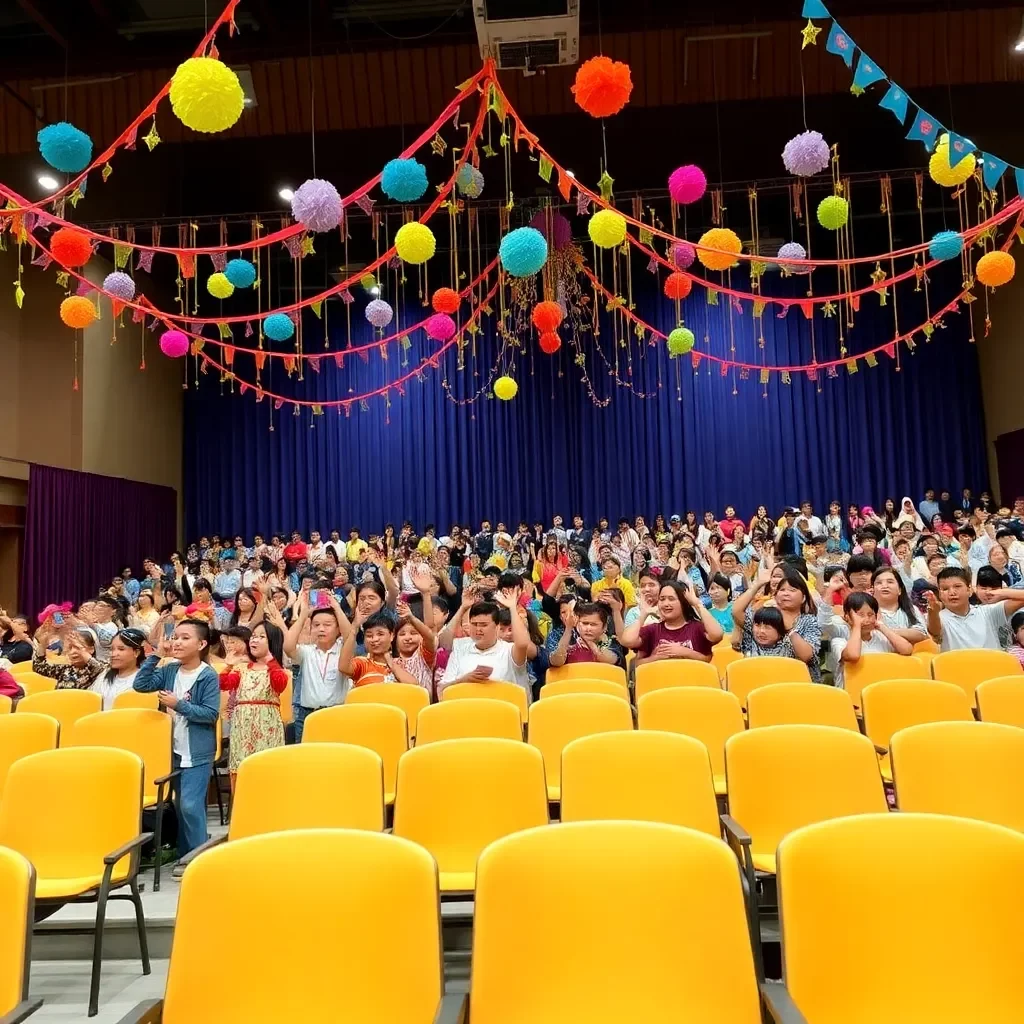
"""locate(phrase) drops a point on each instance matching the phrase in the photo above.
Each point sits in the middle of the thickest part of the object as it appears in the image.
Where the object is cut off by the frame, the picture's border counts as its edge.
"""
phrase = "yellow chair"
(512, 693)
(783, 777)
(286, 699)
(876, 668)
(668, 898)
(749, 673)
(967, 769)
(132, 700)
(17, 897)
(456, 797)
(797, 704)
(587, 670)
(655, 675)
(85, 844)
(556, 721)
(373, 902)
(33, 683)
(24, 734)
(67, 706)
(379, 727)
(576, 685)
(467, 719)
(1001, 700)
(640, 776)
(899, 703)
(20, 668)
(722, 656)
(969, 668)
(5, 705)
(708, 715)
(926, 646)
(903, 917)
(411, 699)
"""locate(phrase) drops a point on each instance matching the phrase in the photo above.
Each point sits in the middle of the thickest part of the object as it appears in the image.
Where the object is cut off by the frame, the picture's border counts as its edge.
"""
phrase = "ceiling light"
(286, 193)
(48, 181)
(1018, 46)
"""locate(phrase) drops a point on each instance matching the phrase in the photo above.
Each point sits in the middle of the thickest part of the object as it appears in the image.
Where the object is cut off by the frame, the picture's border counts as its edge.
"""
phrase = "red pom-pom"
(70, 248)
(550, 342)
(677, 285)
(547, 316)
(602, 86)
(446, 300)
(229, 679)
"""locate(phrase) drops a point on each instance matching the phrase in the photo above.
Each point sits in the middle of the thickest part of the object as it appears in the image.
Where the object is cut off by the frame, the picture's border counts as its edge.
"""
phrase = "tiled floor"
(64, 987)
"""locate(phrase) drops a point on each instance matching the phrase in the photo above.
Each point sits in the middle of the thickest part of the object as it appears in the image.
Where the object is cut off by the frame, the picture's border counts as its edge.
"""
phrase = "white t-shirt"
(322, 686)
(978, 628)
(109, 689)
(466, 656)
(183, 683)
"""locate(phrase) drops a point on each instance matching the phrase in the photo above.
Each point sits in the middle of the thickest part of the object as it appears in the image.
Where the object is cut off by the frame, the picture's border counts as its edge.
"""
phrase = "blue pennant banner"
(867, 73)
(959, 147)
(896, 101)
(841, 44)
(925, 129)
(1018, 174)
(815, 9)
(992, 169)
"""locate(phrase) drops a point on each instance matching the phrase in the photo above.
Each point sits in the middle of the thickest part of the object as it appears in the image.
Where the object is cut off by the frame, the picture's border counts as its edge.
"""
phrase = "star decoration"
(106, 172)
(757, 268)
(62, 278)
(857, 90)
(928, 330)
(968, 298)
(810, 33)
(604, 185)
(438, 145)
(307, 246)
(829, 309)
(878, 274)
(76, 197)
(489, 150)
(152, 137)
(503, 139)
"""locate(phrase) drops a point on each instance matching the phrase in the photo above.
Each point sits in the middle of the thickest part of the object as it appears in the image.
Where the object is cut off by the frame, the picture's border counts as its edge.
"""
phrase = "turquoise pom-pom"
(470, 181)
(405, 181)
(523, 252)
(278, 327)
(64, 147)
(241, 273)
(946, 245)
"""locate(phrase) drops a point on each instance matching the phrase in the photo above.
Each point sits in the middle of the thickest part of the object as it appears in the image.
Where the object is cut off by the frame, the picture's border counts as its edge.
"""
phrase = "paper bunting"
(42, 260)
(564, 184)
(992, 169)
(786, 378)
(544, 168)
(314, 363)
(229, 351)
(831, 371)
(814, 9)
(582, 204)
(925, 129)
(145, 260)
(812, 373)
(106, 172)
(1018, 175)
(867, 73)
(260, 359)
(871, 360)
(840, 44)
(895, 100)
(851, 366)
(723, 369)
(187, 265)
(224, 329)
(317, 308)
(347, 297)
(152, 137)
(365, 203)
(764, 376)
(248, 329)
(219, 261)
(122, 254)
(138, 316)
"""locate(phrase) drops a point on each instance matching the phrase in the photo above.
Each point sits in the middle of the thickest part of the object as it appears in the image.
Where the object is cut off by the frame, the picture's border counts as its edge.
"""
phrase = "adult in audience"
(956, 624)
(80, 648)
(720, 592)
(127, 651)
(928, 507)
(729, 523)
(145, 615)
(130, 584)
(686, 628)
(16, 641)
(1009, 572)
(103, 625)
(228, 581)
(814, 525)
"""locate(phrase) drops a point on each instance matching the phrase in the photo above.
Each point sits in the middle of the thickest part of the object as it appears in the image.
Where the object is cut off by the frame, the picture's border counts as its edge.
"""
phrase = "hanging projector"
(526, 35)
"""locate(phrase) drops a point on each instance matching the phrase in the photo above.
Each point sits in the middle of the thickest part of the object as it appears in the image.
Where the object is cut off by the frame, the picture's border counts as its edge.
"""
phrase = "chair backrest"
(143, 732)
(968, 769)
(968, 668)
(1001, 700)
(286, 699)
(23, 734)
(797, 704)
(5, 704)
(577, 685)
(556, 721)
(783, 777)
(926, 646)
(308, 785)
(639, 776)
(381, 727)
(468, 718)
(587, 670)
(749, 673)
(722, 656)
(948, 893)
(580, 888)
(19, 668)
(456, 797)
(708, 715)
(33, 682)
(17, 897)
(876, 668)
(132, 699)
(93, 805)
(512, 693)
(899, 703)
(67, 706)
(655, 675)
(410, 698)
(373, 897)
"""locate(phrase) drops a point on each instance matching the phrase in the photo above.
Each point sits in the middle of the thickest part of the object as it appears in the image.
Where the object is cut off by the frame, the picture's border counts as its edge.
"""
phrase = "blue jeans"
(301, 714)
(190, 802)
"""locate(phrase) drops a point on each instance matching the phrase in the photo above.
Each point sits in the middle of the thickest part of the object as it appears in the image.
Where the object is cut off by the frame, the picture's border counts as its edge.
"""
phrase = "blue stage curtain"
(716, 440)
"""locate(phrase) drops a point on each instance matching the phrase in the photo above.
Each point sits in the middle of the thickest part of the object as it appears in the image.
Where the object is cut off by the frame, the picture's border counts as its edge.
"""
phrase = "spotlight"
(48, 181)
(286, 193)
(570, 174)
(1018, 46)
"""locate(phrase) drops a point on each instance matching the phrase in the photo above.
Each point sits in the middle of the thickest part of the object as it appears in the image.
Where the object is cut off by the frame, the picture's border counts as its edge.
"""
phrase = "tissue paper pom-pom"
(550, 342)
(995, 268)
(946, 245)
(719, 238)
(77, 311)
(241, 273)
(505, 388)
(119, 285)
(547, 316)
(680, 341)
(607, 229)
(523, 252)
(404, 180)
(602, 86)
(174, 344)
(70, 248)
(806, 154)
(687, 184)
(368, 282)
(316, 205)
(379, 313)
(415, 242)
(278, 327)
(677, 285)
(446, 300)
(793, 251)
(683, 255)
(942, 173)
(206, 95)
(219, 286)
(440, 327)
(557, 233)
(470, 181)
(833, 212)
(64, 147)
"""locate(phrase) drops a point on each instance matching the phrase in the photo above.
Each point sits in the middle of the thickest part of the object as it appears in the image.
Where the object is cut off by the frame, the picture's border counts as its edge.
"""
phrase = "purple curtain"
(82, 529)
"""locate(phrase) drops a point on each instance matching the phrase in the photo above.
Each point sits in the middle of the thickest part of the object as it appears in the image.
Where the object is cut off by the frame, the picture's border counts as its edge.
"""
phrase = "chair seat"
(720, 788)
(66, 888)
(764, 862)
(458, 881)
(555, 794)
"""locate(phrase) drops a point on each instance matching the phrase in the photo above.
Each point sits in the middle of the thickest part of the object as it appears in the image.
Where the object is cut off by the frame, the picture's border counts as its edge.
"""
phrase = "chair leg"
(158, 842)
(97, 952)
(140, 922)
(220, 801)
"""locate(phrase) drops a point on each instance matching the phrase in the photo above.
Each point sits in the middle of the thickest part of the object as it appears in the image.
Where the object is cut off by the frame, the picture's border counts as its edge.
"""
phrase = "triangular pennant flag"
(808, 307)
(229, 354)
(1018, 175)
(764, 376)
(339, 360)
(278, 402)
(812, 373)
(851, 366)
(814, 9)
(871, 359)
(867, 73)
(248, 328)
(924, 129)
(890, 350)
(261, 360)
(959, 147)
(224, 329)
(723, 369)
(695, 358)
(314, 363)
(317, 307)
(840, 44)
(895, 100)
(992, 169)
(831, 371)
(545, 167)
(564, 184)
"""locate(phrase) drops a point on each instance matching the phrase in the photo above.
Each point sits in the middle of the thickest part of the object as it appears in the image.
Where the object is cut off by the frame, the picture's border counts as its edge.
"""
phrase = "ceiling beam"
(32, 9)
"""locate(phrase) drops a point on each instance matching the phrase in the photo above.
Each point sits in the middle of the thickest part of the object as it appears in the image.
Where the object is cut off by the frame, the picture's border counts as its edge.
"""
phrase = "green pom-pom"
(833, 212)
(680, 341)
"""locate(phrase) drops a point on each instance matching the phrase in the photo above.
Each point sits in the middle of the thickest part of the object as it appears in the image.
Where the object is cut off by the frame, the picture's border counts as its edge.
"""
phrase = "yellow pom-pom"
(718, 238)
(77, 311)
(415, 243)
(505, 388)
(219, 286)
(942, 173)
(995, 268)
(607, 229)
(206, 95)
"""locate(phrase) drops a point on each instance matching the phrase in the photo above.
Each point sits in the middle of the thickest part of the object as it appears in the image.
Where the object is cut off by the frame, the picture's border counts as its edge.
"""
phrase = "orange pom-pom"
(547, 316)
(677, 285)
(78, 312)
(550, 342)
(995, 268)
(70, 248)
(602, 86)
(446, 300)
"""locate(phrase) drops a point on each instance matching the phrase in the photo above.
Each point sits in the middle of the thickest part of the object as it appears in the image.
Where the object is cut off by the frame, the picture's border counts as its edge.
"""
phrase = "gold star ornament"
(810, 33)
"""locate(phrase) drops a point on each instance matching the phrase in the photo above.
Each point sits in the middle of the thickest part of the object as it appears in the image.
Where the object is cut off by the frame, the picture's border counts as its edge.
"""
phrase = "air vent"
(542, 33)
(529, 54)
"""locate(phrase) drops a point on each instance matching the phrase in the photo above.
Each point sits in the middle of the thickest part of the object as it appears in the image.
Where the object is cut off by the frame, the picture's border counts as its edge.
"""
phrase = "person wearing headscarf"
(908, 513)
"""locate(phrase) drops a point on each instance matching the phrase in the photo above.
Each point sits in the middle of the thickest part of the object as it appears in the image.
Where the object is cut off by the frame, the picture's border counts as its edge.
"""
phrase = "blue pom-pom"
(65, 147)
(523, 252)
(946, 245)
(278, 327)
(404, 180)
(241, 273)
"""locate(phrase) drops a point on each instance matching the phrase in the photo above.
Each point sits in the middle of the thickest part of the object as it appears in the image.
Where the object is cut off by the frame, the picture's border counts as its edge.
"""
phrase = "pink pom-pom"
(440, 327)
(687, 184)
(174, 344)
(555, 228)
(683, 255)
(316, 205)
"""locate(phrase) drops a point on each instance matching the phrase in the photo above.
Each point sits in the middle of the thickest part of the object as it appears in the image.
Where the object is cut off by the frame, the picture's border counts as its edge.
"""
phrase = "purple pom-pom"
(687, 184)
(806, 154)
(174, 344)
(316, 205)
(793, 251)
(683, 255)
(440, 327)
(557, 232)
(119, 285)
(379, 313)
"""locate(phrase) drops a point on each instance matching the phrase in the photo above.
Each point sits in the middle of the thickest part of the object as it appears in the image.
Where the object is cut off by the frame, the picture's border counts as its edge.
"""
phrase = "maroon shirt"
(692, 634)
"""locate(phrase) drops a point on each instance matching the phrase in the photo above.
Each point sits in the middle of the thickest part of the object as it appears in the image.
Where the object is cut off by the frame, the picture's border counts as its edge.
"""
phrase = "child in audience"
(613, 577)
(16, 644)
(766, 636)
(956, 624)
(862, 631)
(378, 664)
(859, 570)
(686, 628)
(585, 638)
(127, 651)
(415, 641)
(1017, 631)
(895, 609)
(720, 590)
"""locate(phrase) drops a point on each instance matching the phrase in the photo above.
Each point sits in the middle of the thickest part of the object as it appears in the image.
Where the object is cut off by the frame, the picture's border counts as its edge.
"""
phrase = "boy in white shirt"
(957, 624)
